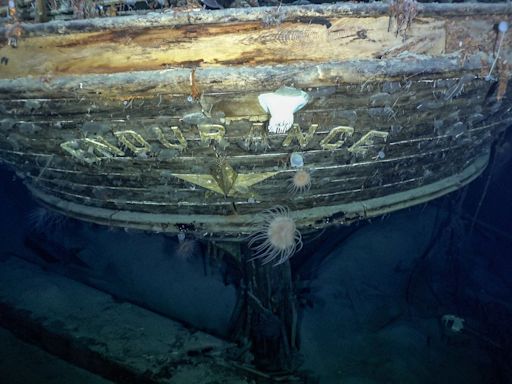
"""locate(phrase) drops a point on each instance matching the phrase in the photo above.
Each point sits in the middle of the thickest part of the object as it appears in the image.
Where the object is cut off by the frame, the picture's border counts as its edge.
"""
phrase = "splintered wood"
(238, 43)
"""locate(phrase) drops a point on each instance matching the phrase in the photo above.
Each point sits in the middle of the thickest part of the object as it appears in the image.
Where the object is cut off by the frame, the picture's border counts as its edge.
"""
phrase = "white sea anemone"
(277, 239)
(281, 105)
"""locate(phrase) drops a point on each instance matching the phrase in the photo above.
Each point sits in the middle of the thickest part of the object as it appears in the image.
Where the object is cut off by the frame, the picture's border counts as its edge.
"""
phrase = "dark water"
(419, 296)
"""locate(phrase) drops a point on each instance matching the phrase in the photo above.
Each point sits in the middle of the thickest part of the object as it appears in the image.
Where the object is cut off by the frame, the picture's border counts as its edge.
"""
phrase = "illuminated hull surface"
(158, 122)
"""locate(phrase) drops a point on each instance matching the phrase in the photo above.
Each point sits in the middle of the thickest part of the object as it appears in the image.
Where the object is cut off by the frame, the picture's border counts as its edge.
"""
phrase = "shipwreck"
(198, 120)
(227, 124)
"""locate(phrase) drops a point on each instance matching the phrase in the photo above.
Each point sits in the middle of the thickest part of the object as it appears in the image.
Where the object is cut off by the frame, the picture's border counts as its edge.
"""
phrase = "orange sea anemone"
(301, 182)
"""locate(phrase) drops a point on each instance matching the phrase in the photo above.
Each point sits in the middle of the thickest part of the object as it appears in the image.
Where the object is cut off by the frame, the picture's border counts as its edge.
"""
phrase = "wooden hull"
(156, 122)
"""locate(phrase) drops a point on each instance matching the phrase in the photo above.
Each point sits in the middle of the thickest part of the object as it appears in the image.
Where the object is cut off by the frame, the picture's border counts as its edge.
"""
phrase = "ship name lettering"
(92, 150)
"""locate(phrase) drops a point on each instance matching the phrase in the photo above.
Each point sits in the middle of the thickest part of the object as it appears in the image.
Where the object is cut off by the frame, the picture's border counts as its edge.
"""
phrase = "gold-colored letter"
(369, 139)
(180, 145)
(342, 132)
(209, 132)
(91, 150)
(296, 133)
(133, 141)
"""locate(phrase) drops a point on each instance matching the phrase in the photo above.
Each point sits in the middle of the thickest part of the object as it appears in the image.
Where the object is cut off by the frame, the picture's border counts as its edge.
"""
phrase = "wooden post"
(41, 11)
(273, 322)
(264, 321)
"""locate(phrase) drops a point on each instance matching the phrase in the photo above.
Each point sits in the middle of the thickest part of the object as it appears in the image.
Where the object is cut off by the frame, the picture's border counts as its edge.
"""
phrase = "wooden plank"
(307, 13)
(352, 105)
(211, 79)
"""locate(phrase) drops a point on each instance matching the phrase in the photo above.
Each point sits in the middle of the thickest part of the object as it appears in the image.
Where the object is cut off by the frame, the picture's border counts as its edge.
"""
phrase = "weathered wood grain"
(215, 44)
